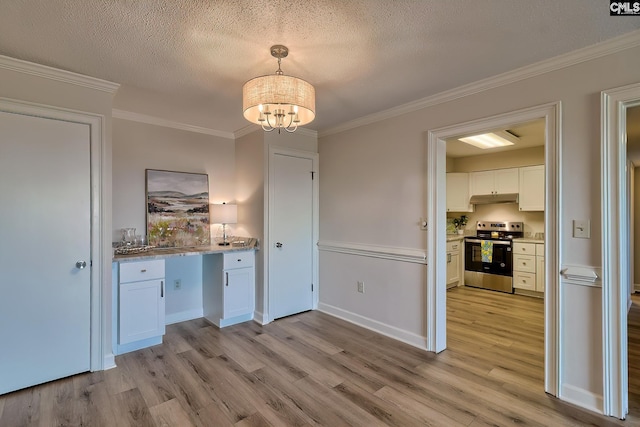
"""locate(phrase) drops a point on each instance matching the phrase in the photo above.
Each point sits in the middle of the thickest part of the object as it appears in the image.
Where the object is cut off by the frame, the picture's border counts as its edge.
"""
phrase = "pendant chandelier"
(277, 101)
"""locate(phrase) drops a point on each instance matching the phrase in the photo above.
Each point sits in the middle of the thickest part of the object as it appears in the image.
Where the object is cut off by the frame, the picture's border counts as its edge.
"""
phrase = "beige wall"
(373, 191)
(140, 146)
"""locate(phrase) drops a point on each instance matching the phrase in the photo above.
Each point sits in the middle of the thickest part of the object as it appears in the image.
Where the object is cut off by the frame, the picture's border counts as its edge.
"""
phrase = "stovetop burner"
(499, 230)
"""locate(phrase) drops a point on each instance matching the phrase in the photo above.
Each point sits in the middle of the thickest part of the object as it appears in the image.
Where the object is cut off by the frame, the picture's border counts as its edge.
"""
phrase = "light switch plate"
(582, 228)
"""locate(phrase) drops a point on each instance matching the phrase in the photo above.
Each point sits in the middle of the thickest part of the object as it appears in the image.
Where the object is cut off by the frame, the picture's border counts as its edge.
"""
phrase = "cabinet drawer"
(238, 259)
(524, 248)
(524, 280)
(526, 263)
(141, 270)
(453, 246)
(540, 249)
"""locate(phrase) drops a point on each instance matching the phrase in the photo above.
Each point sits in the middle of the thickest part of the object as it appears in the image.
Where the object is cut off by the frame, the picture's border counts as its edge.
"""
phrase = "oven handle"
(495, 242)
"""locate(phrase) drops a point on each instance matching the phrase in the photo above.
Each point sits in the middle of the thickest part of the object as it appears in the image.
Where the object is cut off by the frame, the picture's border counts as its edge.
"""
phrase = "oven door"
(502, 258)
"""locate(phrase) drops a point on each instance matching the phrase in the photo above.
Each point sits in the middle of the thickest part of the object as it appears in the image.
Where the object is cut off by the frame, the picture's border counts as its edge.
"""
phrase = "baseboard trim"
(108, 362)
(417, 256)
(183, 316)
(581, 397)
(375, 326)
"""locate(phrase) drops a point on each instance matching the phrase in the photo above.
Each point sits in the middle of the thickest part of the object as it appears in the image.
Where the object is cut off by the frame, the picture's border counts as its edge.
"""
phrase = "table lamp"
(224, 214)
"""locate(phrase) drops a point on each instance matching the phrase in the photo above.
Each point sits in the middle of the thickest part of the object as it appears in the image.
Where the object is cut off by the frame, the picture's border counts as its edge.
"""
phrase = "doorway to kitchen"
(436, 217)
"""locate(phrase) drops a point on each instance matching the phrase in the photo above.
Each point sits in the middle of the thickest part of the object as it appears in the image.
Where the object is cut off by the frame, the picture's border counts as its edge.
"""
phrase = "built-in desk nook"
(141, 290)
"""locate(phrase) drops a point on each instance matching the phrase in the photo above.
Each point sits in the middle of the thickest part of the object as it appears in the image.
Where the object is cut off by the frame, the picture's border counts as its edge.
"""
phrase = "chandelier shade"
(277, 101)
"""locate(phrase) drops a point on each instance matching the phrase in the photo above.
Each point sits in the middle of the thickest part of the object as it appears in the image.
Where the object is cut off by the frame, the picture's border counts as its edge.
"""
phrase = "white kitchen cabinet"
(531, 182)
(141, 301)
(229, 287)
(528, 266)
(454, 263)
(498, 181)
(458, 192)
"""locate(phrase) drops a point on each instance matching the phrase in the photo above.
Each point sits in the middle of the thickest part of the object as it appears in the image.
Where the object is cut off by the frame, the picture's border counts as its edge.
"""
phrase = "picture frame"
(177, 208)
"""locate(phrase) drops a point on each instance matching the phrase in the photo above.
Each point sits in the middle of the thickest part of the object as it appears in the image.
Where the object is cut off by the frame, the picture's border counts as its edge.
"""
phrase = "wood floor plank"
(170, 414)
(424, 414)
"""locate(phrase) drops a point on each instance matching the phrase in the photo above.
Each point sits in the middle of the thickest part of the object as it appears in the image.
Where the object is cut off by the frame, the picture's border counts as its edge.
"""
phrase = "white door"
(291, 251)
(44, 231)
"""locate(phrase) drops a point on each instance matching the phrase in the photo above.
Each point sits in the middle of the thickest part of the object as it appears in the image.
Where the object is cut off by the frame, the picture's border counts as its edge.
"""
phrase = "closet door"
(45, 254)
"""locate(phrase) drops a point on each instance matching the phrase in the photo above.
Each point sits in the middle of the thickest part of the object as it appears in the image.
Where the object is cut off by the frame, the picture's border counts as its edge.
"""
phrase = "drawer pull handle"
(226, 279)
(144, 270)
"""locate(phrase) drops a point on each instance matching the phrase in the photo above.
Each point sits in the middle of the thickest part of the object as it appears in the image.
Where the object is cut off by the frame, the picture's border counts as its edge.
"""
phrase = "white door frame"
(101, 352)
(436, 238)
(615, 260)
(314, 157)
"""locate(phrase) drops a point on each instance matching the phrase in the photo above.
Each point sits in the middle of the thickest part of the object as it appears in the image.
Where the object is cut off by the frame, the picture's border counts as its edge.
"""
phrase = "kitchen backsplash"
(533, 221)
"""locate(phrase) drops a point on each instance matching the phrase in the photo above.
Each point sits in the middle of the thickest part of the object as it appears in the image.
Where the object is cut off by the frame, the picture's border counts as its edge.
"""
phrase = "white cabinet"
(458, 192)
(141, 301)
(531, 188)
(229, 287)
(454, 263)
(528, 266)
(498, 181)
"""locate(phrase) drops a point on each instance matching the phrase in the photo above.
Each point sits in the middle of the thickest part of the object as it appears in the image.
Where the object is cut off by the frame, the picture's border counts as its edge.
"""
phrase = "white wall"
(373, 187)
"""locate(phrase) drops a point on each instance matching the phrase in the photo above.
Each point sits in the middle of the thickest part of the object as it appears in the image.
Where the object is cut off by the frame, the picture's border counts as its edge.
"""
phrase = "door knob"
(81, 264)
(278, 245)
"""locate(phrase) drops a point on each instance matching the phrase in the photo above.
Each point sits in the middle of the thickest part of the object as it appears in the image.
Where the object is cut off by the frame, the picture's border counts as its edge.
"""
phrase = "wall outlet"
(361, 287)
(177, 284)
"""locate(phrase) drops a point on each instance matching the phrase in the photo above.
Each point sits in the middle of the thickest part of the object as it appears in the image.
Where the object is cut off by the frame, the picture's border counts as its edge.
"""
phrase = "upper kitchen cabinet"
(458, 192)
(532, 188)
(498, 181)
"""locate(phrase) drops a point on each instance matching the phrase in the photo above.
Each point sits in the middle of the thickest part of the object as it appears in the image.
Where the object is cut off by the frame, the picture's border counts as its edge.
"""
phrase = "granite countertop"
(162, 253)
(454, 237)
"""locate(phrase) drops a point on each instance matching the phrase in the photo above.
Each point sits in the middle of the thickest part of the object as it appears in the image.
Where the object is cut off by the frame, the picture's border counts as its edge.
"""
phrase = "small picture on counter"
(177, 209)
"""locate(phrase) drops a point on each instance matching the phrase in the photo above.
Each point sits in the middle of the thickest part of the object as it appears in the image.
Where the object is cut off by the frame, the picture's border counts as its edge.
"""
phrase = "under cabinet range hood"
(487, 199)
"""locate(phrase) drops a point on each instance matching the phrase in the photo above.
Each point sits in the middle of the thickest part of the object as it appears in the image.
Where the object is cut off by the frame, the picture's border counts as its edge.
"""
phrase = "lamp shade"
(224, 214)
(279, 91)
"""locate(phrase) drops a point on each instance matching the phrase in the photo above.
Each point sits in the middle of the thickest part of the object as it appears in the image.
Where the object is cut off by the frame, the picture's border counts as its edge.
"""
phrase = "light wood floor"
(313, 369)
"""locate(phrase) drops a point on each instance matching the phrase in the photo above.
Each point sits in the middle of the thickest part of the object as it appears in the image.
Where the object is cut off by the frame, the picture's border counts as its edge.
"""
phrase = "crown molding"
(151, 120)
(51, 73)
(608, 47)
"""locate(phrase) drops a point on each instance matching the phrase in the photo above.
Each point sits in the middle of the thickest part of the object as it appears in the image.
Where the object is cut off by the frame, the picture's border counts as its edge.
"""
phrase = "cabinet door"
(532, 188)
(458, 193)
(540, 274)
(238, 292)
(522, 280)
(141, 310)
(453, 267)
(481, 182)
(506, 181)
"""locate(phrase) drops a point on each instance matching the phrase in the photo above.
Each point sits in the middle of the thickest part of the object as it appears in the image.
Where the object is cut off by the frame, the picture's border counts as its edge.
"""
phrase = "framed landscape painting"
(177, 209)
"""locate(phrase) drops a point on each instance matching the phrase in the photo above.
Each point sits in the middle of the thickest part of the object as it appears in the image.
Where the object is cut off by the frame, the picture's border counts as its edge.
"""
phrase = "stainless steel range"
(488, 257)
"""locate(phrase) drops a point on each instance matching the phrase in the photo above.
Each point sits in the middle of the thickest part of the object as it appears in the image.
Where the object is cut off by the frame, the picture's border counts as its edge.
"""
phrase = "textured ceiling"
(190, 58)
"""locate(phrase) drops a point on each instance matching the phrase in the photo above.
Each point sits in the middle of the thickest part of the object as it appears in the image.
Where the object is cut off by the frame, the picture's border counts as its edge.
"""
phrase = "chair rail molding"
(375, 251)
